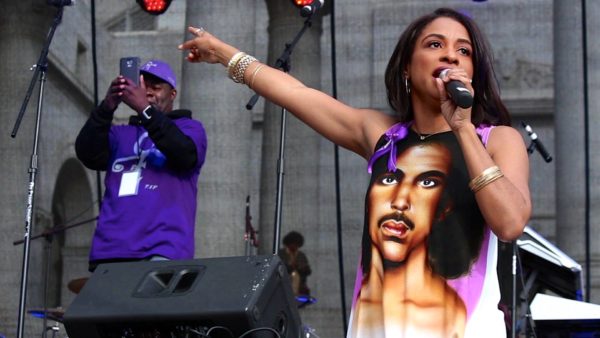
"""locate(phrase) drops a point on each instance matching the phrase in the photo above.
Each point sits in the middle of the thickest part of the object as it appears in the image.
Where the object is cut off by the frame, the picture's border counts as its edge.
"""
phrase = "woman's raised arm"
(351, 128)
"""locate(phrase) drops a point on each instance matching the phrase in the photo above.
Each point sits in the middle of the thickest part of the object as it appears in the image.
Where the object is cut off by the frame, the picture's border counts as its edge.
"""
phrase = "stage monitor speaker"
(544, 266)
(554, 270)
(212, 297)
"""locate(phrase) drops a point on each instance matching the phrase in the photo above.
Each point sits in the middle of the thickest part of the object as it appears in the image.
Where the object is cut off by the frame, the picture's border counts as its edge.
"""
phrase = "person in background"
(152, 167)
(296, 262)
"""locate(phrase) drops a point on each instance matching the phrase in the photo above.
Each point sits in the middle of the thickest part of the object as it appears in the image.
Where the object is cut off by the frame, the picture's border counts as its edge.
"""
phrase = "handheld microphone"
(459, 94)
(537, 143)
(312, 8)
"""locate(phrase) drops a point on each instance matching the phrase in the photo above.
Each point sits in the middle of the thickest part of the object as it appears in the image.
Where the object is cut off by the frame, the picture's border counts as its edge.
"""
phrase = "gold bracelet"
(240, 68)
(233, 62)
(486, 177)
(475, 181)
(253, 77)
(489, 180)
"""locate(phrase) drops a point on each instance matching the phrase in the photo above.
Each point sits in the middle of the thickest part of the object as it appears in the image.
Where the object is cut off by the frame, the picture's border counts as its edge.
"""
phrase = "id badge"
(129, 183)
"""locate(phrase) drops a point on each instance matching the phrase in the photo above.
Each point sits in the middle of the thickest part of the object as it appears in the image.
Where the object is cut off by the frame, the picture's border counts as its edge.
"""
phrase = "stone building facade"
(540, 63)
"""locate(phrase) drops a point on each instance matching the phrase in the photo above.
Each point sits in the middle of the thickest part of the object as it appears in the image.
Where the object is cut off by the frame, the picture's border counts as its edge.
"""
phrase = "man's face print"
(402, 205)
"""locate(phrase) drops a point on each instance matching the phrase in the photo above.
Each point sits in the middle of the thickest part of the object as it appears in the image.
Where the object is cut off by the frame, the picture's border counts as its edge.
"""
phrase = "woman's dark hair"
(454, 242)
(293, 237)
(487, 105)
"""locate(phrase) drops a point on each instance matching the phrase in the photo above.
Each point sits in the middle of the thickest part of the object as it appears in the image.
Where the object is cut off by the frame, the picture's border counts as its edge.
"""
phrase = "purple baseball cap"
(161, 70)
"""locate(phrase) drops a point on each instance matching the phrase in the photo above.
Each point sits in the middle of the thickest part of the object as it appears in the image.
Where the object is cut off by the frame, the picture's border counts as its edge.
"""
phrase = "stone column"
(570, 126)
(219, 104)
(300, 207)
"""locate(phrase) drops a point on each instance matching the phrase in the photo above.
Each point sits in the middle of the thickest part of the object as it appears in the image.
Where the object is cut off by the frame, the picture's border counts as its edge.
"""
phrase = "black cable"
(95, 68)
(586, 151)
(94, 56)
(64, 225)
(198, 333)
(275, 332)
(76, 216)
(221, 328)
(338, 212)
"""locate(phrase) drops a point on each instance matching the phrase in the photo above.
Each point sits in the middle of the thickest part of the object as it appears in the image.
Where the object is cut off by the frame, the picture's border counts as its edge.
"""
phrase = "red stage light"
(154, 7)
(302, 3)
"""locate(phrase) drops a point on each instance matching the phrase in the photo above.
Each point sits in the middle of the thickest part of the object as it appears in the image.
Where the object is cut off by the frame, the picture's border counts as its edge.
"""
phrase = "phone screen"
(129, 68)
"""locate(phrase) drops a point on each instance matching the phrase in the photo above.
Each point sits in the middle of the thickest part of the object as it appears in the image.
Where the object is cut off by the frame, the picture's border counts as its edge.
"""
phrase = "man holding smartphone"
(152, 167)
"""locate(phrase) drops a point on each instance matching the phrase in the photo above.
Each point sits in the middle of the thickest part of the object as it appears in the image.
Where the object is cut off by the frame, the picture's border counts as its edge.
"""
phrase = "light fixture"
(154, 7)
(308, 7)
(302, 3)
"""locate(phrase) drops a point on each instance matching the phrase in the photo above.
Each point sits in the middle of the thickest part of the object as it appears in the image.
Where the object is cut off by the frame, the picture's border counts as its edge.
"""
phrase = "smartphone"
(130, 68)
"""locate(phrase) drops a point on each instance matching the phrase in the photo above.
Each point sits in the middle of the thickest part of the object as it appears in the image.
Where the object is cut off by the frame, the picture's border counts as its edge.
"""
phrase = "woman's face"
(443, 43)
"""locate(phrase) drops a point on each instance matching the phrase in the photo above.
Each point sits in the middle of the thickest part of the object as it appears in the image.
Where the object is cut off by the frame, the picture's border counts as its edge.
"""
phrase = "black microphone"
(60, 3)
(459, 94)
(312, 8)
(537, 143)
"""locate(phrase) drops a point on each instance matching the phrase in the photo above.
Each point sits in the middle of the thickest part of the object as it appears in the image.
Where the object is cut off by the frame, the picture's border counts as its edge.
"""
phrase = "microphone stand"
(525, 309)
(516, 264)
(535, 144)
(49, 236)
(250, 235)
(39, 72)
(513, 312)
(283, 62)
